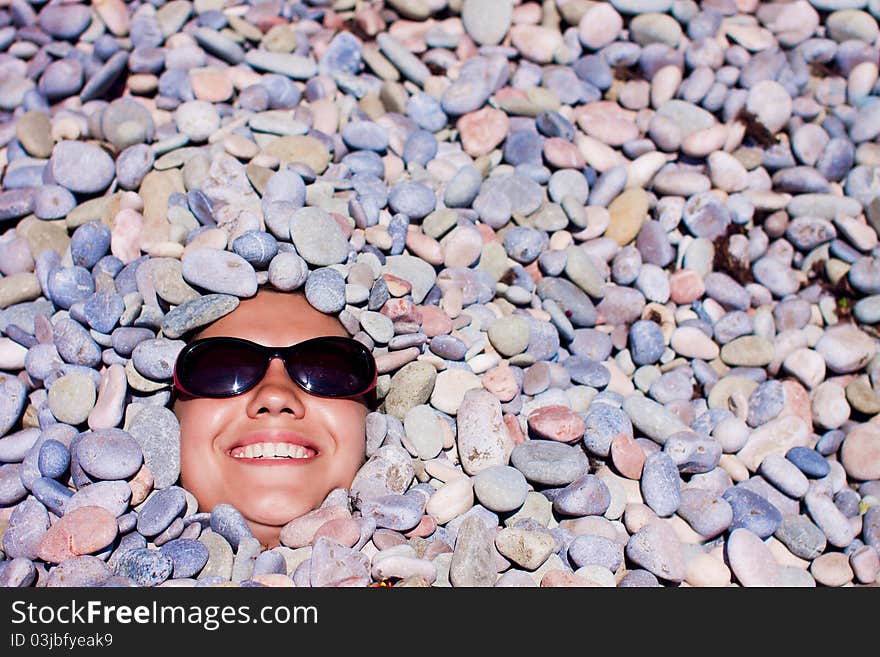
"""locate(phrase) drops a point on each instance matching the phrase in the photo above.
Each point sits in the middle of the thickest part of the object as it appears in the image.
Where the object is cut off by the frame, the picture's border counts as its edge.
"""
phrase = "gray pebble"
(548, 463)
(109, 454)
(752, 511)
(228, 522)
(145, 566)
(661, 484)
(585, 496)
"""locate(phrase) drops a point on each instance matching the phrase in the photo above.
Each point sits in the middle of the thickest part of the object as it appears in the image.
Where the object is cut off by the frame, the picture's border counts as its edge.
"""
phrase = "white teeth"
(272, 451)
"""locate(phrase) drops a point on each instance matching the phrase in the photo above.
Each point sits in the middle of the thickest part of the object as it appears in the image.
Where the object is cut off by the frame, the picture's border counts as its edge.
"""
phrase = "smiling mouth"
(278, 452)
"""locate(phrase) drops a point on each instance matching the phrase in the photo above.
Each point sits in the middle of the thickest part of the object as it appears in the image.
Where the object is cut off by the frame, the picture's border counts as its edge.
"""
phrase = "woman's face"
(270, 492)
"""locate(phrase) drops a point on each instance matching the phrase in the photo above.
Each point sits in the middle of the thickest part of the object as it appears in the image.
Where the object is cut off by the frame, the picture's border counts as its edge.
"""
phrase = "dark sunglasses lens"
(333, 367)
(221, 369)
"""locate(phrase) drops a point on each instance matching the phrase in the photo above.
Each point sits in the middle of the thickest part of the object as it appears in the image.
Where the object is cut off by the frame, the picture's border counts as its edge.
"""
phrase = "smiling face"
(226, 444)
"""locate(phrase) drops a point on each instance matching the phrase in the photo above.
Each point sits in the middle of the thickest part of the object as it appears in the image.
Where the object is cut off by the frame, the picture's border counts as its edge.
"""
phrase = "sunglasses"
(326, 366)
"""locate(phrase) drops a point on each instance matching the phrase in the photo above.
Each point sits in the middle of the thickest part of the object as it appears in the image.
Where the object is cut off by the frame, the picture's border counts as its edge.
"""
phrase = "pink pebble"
(501, 382)
(557, 422)
(82, 531)
(563, 154)
(345, 531)
(125, 238)
(686, 286)
(427, 526)
(627, 456)
(301, 531)
(483, 130)
(435, 321)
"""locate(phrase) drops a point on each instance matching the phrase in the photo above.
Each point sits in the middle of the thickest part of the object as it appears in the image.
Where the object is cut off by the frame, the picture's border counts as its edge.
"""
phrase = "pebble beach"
(617, 262)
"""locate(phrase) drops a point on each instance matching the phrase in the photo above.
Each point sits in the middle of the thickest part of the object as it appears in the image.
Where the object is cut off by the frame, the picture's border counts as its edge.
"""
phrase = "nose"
(277, 392)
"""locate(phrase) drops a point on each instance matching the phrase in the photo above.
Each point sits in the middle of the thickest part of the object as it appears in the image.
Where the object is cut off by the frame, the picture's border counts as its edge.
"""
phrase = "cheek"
(348, 424)
(201, 420)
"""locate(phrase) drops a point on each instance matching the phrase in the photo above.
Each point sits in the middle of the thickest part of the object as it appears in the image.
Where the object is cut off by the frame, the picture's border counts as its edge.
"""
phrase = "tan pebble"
(425, 247)
(865, 563)
(114, 14)
(141, 485)
(628, 212)
(707, 571)
(832, 569)
(451, 500)
(561, 578)
(701, 143)
(378, 236)
(860, 453)
(273, 580)
(734, 467)
(397, 287)
(142, 83)
(325, 115)
(65, 128)
(536, 42)
(599, 25)
(395, 359)
(691, 342)
(240, 147)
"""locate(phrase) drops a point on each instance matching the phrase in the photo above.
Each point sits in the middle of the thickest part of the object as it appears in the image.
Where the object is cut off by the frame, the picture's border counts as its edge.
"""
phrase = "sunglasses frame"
(287, 354)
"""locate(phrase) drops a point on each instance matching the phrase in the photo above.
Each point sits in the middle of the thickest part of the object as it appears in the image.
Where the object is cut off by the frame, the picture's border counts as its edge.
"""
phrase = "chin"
(277, 509)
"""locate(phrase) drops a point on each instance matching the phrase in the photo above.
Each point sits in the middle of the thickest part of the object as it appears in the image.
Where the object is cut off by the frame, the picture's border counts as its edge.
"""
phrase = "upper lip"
(274, 436)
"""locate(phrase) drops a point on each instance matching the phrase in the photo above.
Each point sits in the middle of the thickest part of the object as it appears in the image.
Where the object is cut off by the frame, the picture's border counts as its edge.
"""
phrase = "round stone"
(415, 200)
(325, 290)
(108, 454)
(71, 398)
(81, 167)
(860, 453)
(197, 119)
(501, 488)
(317, 237)
(145, 566)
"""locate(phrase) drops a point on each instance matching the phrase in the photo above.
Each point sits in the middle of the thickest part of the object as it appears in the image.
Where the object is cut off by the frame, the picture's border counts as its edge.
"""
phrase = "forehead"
(274, 319)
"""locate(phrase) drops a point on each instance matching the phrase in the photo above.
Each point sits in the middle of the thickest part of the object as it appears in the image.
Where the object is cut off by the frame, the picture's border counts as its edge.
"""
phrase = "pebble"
(500, 488)
(829, 519)
(860, 450)
(585, 496)
(751, 561)
(656, 548)
(548, 463)
(482, 439)
(109, 454)
(80, 167)
(187, 556)
(752, 512)
(81, 531)
(145, 566)
(660, 484)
